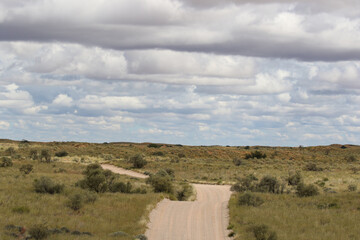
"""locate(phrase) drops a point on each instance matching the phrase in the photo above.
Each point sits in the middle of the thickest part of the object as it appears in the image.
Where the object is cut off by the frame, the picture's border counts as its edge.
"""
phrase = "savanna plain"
(58, 190)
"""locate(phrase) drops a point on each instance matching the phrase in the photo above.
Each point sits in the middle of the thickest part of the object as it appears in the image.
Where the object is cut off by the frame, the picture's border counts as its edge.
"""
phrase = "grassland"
(289, 216)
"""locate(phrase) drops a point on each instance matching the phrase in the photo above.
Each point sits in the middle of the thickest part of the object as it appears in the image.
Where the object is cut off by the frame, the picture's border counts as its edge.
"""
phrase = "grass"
(327, 216)
(111, 212)
(324, 217)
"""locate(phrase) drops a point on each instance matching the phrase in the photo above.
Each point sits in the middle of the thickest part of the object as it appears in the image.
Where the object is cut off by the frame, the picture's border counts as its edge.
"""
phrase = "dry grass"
(294, 218)
(112, 212)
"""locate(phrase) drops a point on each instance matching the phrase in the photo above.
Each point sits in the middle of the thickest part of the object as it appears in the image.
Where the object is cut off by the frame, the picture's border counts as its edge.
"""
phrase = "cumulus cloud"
(4, 125)
(63, 100)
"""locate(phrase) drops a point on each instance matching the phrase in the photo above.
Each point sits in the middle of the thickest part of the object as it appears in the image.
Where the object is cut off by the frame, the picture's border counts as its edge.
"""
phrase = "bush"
(352, 188)
(10, 151)
(153, 145)
(160, 154)
(138, 161)
(121, 187)
(46, 185)
(294, 179)
(39, 232)
(237, 161)
(96, 179)
(45, 156)
(185, 192)
(6, 162)
(262, 232)
(270, 184)
(313, 167)
(75, 202)
(351, 159)
(161, 182)
(33, 154)
(181, 155)
(26, 168)
(250, 199)
(61, 154)
(303, 190)
(245, 184)
(256, 154)
(20, 210)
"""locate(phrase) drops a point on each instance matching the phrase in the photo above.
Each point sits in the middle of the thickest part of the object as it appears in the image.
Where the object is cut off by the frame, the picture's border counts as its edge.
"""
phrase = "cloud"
(281, 30)
(4, 125)
(63, 100)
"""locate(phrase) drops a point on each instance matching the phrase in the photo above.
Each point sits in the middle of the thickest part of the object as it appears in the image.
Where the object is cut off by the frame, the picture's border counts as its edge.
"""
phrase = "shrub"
(46, 185)
(45, 156)
(61, 154)
(20, 210)
(245, 184)
(39, 232)
(262, 232)
(256, 154)
(303, 190)
(6, 162)
(33, 154)
(250, 199)
(351, 159)
(26, 168)
(159, 153)
(185, 192)
(313, 167)
(153, 145)
(121, 187)
(181, 155)
(352, 188)
(270, 184)
(75, 202)
(10, 151)
(161, 182)
(89, 197)
(237, 161)
(138, 161)
(294, 179)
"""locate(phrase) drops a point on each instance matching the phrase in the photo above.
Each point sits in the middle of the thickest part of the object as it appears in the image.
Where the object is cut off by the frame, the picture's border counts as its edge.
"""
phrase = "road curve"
(203, 219)
(123, 171)
(206, 218)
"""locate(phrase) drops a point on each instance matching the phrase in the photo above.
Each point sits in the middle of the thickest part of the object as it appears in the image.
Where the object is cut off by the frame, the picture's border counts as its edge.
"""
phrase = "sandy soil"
(206, 218)
(123, 171)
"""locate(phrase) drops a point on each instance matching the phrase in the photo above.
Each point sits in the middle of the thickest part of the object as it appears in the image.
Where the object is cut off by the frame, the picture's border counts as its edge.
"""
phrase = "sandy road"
(206, 218)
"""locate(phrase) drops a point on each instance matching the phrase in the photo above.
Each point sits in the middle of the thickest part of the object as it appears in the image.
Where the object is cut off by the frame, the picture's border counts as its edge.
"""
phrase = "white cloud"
(63, 100)
(4, 125)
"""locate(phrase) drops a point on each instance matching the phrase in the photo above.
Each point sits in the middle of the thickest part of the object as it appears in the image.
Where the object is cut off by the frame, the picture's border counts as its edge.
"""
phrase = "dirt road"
(123, 171)
(203, 219)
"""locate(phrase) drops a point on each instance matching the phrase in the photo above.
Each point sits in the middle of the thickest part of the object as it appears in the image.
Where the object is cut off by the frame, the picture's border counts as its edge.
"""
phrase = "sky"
(194, 72)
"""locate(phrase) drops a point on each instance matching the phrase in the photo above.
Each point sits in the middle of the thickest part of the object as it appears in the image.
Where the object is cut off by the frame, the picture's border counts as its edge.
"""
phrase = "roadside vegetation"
(281, 193)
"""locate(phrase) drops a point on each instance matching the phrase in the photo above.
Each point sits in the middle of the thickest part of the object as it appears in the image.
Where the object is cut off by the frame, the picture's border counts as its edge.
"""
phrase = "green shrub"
(352, 187)
(138, 161)
(160, 154)
(245, 184)
(6, 162)
(33, 154)
(350, 159)
(256, 154)
(10, 151)
(20, 210)
(89, 197)
(46, 185)
(185, 192)
(237, 161)
(39, 232)
(75, 202)
(295, 179)
(181, 155)
(153, 145)
(303, 190)
(313, 167)
(96, 179)
(262, 232)
(161, 182)
(26, 168)
(61, 154)
(120, 187)
(45, 156)
(270, 184)
(250, 199)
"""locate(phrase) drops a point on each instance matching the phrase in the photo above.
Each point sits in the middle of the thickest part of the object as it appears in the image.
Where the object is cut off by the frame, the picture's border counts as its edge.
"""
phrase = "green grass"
(111, 212)
(324, 217)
